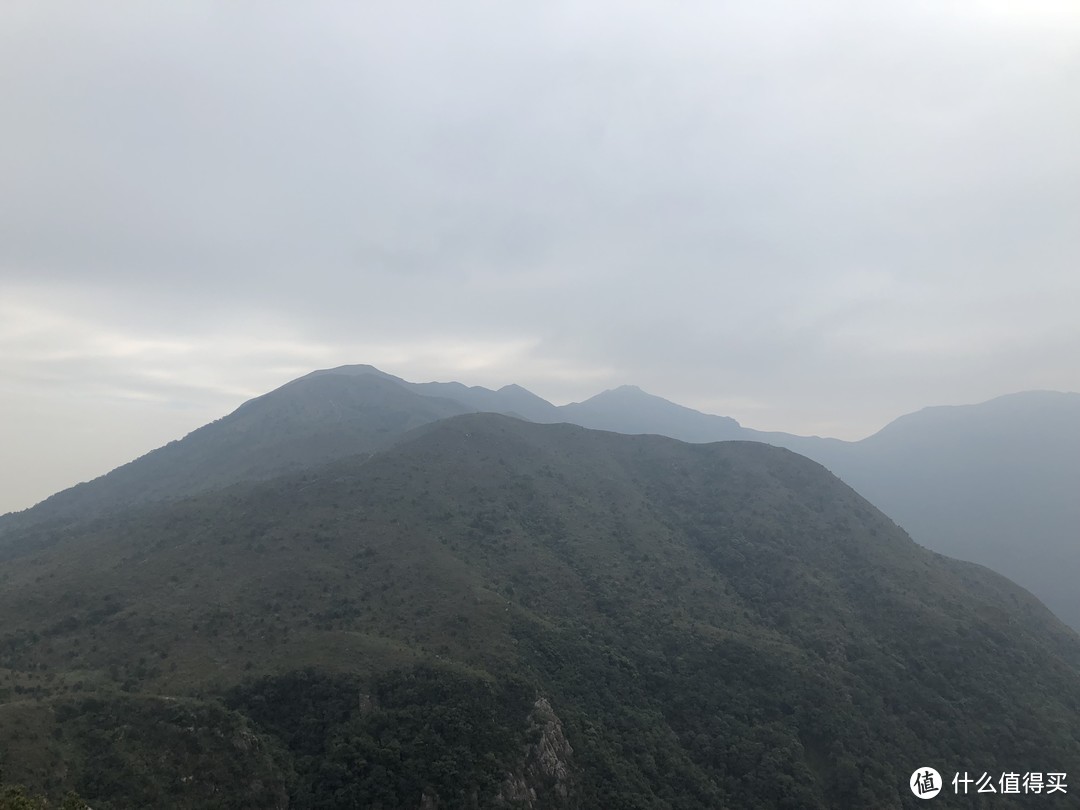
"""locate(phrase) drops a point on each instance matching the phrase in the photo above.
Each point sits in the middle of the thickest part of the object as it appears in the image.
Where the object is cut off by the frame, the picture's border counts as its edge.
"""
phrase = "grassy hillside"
(494, 607)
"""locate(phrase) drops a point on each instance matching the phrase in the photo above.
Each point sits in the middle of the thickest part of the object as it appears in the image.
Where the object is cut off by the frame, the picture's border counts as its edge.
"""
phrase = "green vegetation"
(992, 483)
(123, 751)
(425, 730)
(711, 625)
(16, 797)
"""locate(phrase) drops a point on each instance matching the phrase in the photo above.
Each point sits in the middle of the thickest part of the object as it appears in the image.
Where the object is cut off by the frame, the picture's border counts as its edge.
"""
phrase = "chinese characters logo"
(925, 783)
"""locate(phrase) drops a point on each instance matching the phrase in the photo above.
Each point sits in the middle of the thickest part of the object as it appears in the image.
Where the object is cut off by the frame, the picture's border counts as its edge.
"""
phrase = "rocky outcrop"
(544, 779)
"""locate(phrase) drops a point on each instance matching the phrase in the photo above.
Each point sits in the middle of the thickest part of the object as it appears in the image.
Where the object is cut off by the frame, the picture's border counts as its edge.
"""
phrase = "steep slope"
(492, 607)
(312, 420)
(322, 416)
(998, 483)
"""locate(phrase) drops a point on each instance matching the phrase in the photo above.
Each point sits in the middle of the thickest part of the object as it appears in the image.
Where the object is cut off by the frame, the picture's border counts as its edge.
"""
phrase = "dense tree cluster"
(439, 731)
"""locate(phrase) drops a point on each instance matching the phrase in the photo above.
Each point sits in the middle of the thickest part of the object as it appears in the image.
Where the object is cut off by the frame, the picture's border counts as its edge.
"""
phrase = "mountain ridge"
(951, 475)
(725, 623)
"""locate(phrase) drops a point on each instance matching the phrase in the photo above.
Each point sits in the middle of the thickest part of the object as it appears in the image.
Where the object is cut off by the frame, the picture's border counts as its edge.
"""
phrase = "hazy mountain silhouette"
(510, 399)
(628, 409)
(998, 483)
(490, 607)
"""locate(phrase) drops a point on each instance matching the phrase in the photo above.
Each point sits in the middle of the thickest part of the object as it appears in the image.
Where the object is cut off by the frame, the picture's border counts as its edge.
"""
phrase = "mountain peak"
(629, 409)
(355, 370)
(627, 393)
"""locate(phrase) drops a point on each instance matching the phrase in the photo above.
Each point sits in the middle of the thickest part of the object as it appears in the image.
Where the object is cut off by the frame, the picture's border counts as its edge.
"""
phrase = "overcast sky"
(813, 217)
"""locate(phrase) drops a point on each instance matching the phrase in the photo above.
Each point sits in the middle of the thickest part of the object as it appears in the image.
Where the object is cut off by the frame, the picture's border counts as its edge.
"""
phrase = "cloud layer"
(812, 217)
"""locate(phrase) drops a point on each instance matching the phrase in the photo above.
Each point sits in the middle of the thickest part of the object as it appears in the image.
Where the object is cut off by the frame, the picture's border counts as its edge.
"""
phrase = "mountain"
(994, 483)
(511, 399)
(628, 409)
(997, 483)
(324, 415)
(308, 421)
(497, 613)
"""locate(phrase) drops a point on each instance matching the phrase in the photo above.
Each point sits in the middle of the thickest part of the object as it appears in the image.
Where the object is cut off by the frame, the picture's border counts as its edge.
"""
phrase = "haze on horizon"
(811, 219)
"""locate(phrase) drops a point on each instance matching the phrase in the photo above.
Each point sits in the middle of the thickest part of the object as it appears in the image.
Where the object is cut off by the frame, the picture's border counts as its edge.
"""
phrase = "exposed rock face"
(544, 779)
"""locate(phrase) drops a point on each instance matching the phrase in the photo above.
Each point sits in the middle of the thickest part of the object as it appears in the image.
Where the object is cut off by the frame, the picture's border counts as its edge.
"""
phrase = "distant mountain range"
(487, 612)
(994, 483)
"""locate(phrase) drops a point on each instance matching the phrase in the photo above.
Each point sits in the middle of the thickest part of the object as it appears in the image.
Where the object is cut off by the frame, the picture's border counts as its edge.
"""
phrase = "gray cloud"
(810, 217)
